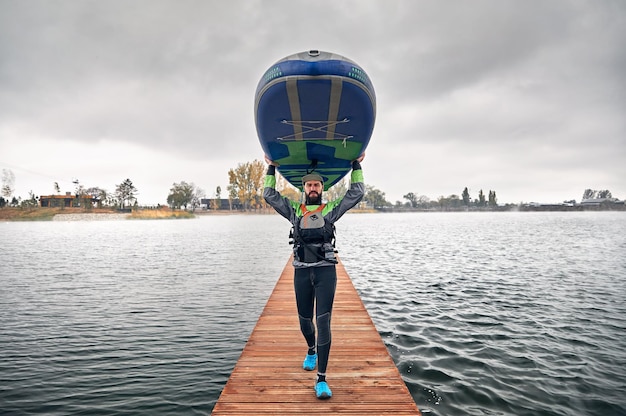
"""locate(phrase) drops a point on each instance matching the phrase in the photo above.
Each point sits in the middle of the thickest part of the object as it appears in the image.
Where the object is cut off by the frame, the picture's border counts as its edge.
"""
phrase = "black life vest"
(312, 226)
(314, 236)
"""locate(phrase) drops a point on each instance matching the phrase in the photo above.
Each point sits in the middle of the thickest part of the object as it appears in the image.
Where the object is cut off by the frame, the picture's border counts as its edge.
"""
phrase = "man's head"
(313, 185)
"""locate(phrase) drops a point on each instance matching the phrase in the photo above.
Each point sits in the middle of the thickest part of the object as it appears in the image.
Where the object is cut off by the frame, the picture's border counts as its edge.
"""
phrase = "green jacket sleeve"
(335, 209)
(281, 204)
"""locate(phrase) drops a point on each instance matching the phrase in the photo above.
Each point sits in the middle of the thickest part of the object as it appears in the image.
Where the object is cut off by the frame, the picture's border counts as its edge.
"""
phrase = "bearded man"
(315, 276)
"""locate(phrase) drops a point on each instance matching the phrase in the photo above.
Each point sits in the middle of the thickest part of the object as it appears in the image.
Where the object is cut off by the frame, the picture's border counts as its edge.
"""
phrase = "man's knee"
(323, 326)
(306, 325)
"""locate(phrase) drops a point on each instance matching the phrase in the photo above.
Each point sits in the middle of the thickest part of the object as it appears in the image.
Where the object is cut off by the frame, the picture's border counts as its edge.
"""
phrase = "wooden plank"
(268, 379)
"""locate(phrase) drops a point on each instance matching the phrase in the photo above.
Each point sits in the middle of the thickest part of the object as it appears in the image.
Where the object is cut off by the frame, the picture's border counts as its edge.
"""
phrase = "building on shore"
(221, 204)
(67, 201)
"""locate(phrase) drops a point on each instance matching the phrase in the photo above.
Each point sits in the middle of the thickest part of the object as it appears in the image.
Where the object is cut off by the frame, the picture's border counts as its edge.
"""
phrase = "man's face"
(313, 189)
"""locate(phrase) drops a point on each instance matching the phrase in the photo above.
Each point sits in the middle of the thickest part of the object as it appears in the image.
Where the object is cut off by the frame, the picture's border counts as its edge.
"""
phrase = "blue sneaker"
(310, 361)
(322, 391)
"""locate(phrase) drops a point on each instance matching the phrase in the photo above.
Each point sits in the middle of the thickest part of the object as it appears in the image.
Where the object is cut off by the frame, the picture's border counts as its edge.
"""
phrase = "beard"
(313, 198)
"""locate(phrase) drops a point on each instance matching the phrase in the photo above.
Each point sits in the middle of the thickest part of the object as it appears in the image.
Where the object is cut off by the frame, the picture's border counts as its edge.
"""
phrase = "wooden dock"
(268, 379)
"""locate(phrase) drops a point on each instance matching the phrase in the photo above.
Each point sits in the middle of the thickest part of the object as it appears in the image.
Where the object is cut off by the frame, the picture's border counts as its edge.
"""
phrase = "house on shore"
(67, 201)
(602, 203)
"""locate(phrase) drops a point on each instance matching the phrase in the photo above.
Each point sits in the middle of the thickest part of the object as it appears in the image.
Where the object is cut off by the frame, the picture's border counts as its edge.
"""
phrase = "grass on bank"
(159, 214)
(29, 214)
(47, 214)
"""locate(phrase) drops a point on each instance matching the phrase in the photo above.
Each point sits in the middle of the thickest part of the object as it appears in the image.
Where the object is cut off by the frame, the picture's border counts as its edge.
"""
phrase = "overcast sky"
(526, 98)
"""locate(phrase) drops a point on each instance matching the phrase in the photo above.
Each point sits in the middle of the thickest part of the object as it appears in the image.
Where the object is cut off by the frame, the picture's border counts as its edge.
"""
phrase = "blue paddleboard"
(314, 112)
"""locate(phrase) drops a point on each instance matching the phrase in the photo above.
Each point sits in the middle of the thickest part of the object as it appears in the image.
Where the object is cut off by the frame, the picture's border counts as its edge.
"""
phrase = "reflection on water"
(484, 314)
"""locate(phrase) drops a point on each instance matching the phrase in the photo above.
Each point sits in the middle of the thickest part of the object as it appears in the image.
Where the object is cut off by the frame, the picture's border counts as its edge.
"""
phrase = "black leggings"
(316, 286)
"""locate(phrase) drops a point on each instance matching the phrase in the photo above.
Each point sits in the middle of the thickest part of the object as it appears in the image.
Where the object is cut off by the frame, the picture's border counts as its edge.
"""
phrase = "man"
(315, 277)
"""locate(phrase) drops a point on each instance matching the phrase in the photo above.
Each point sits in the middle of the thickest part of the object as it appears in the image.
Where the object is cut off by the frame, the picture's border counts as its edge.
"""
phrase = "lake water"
(483, 313)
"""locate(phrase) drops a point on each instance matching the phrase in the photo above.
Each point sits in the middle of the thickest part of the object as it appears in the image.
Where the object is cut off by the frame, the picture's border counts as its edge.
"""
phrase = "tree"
(246, 182)
(442, 201)
(232, 195)
(8, 183)
(452, 201)
(181, 195)
(375, 197)
(589, 194)
(481, 199)
(84, 200)
(466, 197)
(97, 194)
(198, 194)
(338, 190)
(595, 194)
(423, 201)
(31, 202)
(493, 201)
(56, 188)
(215, 203)
(287, 190)
(125, 192)
(412, 198)
(79, 188)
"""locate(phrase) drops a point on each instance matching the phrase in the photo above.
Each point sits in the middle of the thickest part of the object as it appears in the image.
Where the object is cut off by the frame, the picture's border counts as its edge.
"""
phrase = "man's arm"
(281, 204)
(352, 197)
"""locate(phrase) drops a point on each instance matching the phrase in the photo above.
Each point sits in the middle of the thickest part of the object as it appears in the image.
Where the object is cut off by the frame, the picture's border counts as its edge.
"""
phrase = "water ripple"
(129, 318)
(495, 314)
(525, 317)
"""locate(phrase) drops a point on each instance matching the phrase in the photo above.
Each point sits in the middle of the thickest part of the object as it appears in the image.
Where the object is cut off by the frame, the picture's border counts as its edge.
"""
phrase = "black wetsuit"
(315, 277)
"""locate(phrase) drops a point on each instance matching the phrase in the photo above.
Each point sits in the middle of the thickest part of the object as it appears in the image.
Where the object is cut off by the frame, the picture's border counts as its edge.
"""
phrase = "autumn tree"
(287, 190)
(216, 202)
(246, 182)
(232, 195)
(338, 190)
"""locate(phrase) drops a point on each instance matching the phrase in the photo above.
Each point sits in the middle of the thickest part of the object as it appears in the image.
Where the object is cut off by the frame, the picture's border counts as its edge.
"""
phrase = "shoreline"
(104, 214)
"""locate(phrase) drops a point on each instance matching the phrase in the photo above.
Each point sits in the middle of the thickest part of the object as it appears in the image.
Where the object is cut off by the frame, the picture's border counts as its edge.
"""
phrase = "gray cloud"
(532, 88)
